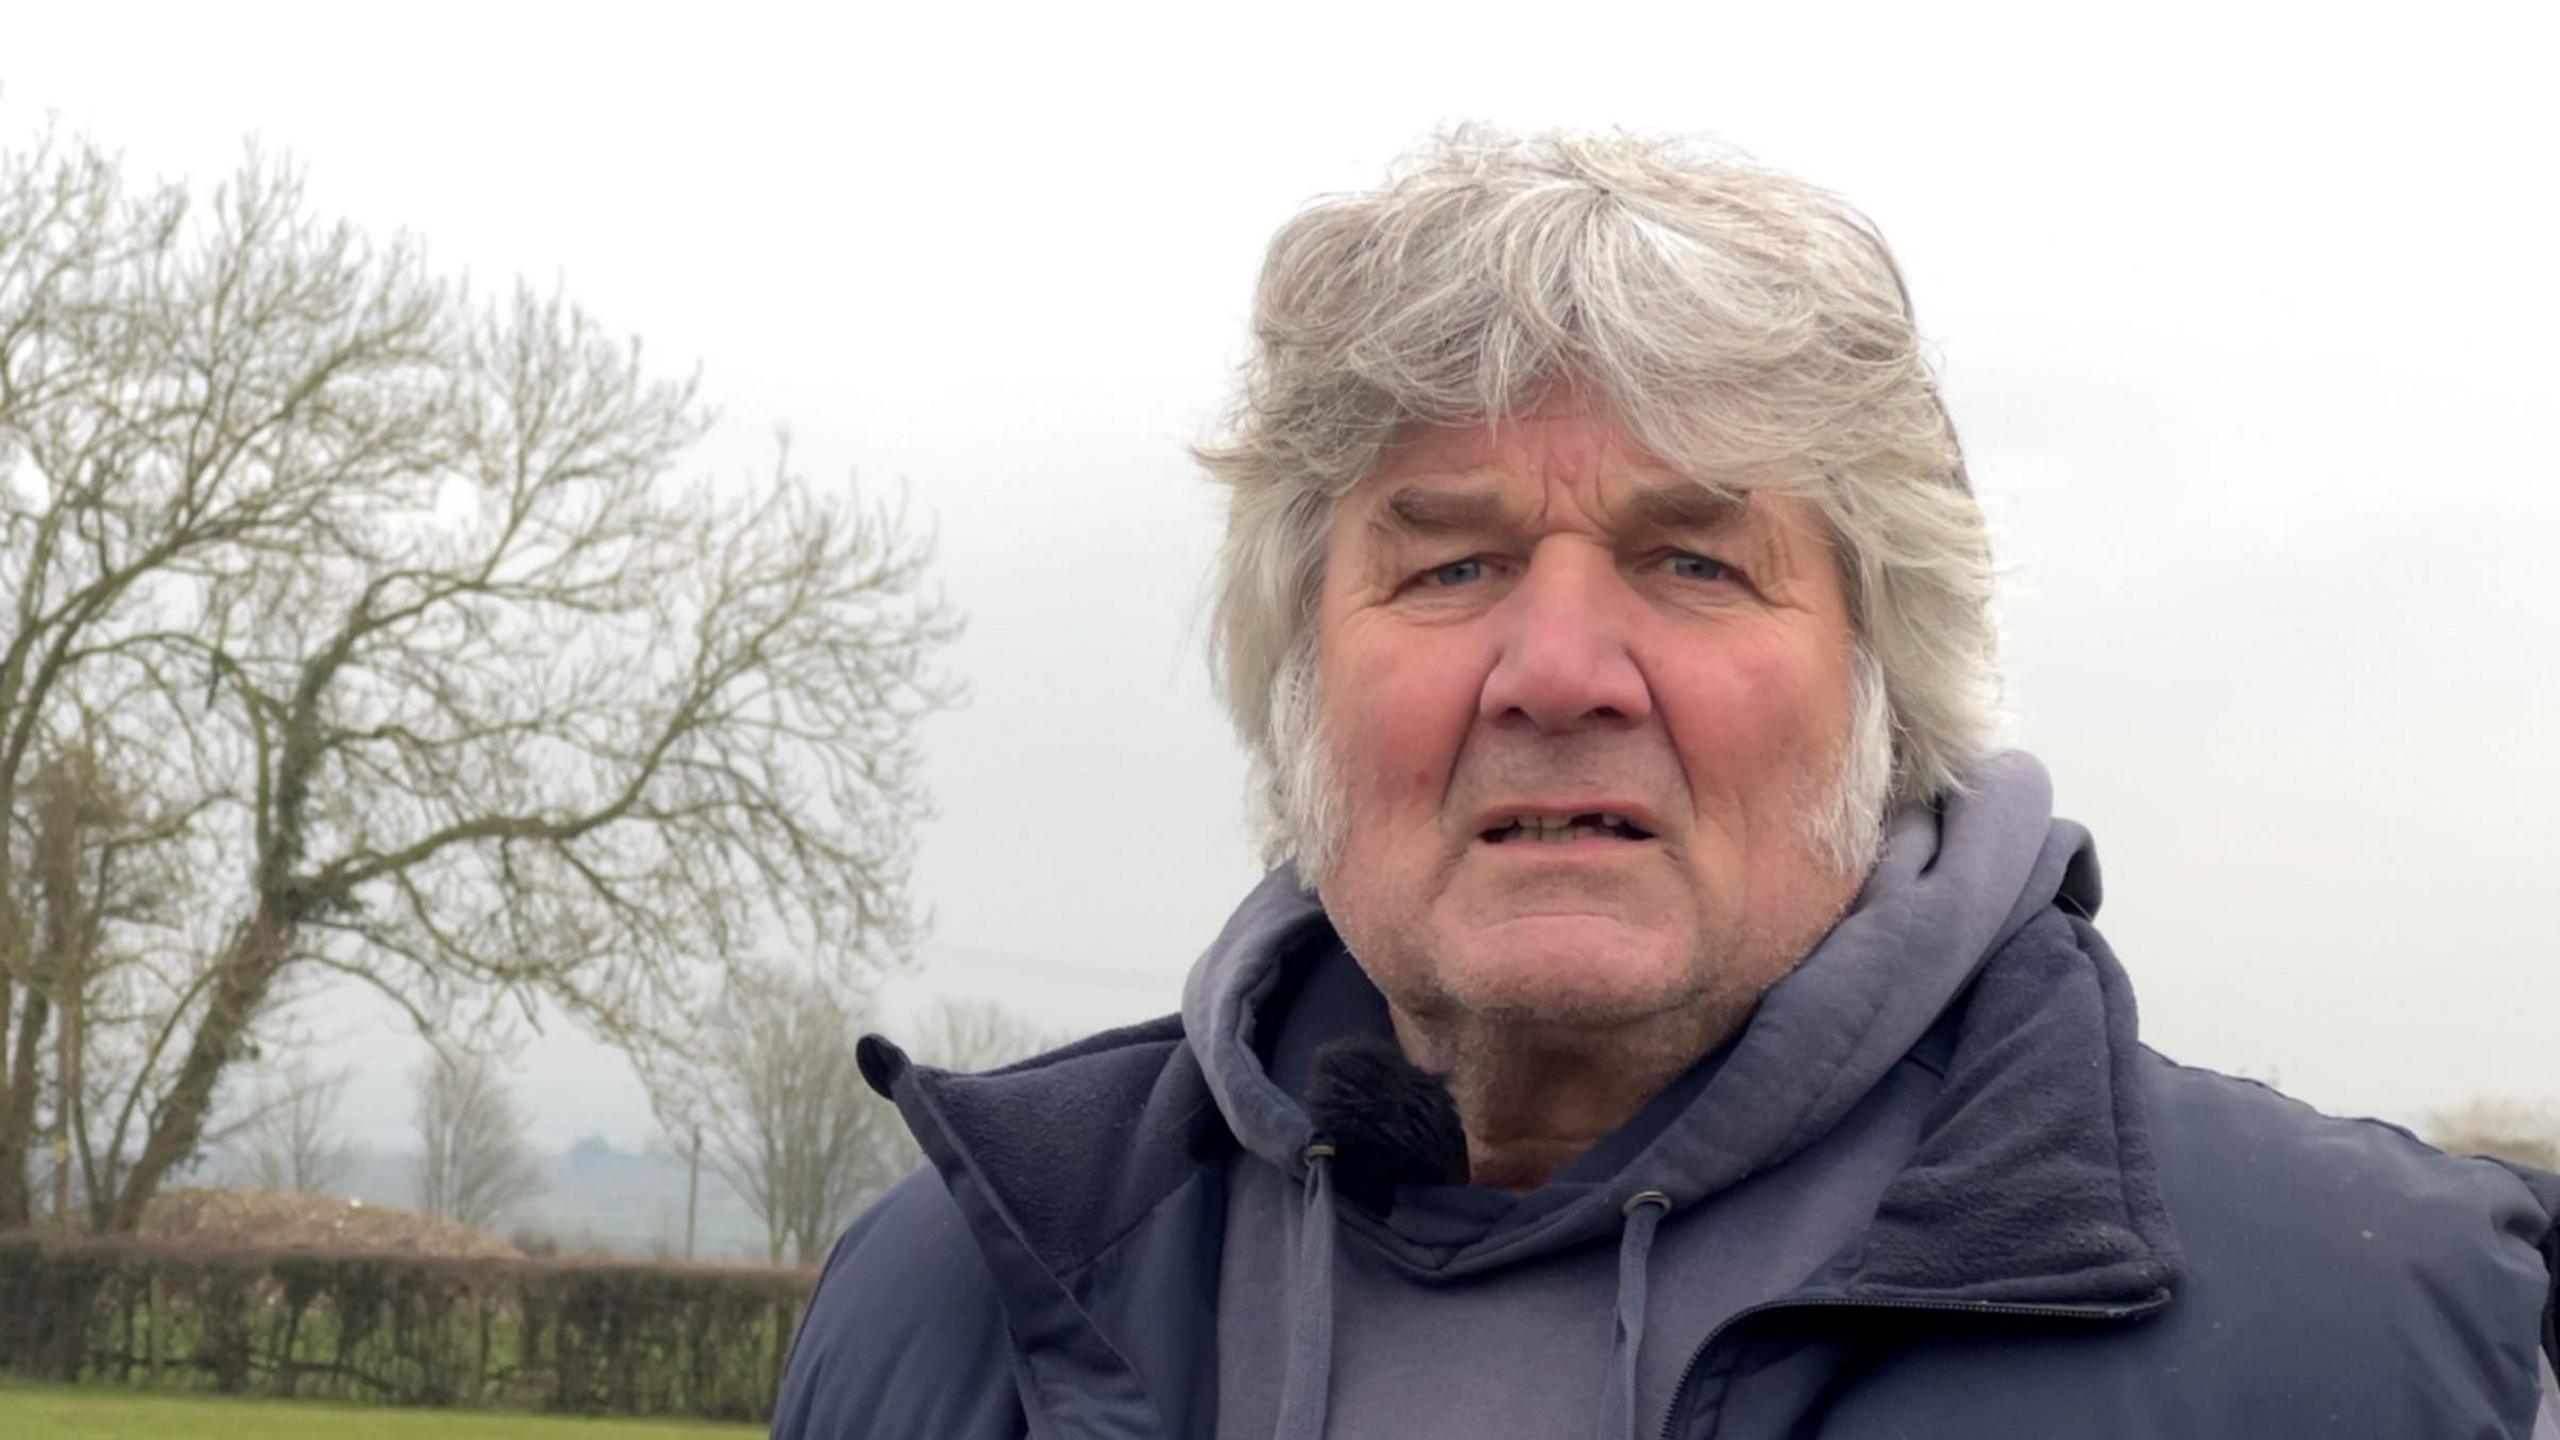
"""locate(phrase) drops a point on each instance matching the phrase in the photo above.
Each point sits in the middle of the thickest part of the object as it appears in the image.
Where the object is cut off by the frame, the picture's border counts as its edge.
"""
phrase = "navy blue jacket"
(2089, 1240)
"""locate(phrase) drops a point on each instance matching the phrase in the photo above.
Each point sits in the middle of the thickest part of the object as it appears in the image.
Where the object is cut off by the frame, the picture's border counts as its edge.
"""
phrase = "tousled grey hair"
(1749, 330)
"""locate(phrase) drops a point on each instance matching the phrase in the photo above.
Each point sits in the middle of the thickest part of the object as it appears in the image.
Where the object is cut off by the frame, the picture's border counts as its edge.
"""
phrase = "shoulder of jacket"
(2282, 1148)
(2350, 1253)
(903, 1333)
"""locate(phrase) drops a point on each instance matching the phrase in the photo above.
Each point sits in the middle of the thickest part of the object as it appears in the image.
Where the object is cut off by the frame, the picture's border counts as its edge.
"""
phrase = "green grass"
(100, 1412)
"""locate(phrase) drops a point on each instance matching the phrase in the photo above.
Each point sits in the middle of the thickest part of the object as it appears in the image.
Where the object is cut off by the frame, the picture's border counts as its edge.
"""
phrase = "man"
(1666, 1015)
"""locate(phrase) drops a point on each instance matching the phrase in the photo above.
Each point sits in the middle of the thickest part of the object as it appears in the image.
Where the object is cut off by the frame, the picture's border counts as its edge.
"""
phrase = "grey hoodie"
(1571, 1303)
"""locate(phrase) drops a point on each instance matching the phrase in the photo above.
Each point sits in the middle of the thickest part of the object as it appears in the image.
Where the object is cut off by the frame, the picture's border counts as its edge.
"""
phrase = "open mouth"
(1563, 829)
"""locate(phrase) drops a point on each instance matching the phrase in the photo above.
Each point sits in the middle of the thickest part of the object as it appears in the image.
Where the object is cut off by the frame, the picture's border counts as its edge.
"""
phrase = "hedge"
(597, 1337)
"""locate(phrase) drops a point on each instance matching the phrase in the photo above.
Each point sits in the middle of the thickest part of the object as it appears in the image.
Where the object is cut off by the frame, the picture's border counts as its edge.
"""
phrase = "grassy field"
(57, 1412)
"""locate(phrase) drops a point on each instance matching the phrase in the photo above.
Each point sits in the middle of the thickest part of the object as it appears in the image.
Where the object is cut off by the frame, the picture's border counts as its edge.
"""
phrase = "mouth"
(1564, 829)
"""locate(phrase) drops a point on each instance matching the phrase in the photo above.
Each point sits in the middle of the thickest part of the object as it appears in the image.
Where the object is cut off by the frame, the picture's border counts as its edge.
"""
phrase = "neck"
(1533, 1097)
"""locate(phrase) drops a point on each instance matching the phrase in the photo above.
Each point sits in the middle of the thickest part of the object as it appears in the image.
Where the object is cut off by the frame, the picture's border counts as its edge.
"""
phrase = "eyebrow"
(1687, 508)
(1416, 510)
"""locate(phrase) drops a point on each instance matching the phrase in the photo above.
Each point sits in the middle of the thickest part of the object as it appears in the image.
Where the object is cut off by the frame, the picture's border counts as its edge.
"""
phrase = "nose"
(1564, 662)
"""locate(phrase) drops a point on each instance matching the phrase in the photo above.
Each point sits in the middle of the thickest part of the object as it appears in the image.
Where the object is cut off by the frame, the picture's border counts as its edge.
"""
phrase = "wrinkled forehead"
(1566, 453)
(1576, 429)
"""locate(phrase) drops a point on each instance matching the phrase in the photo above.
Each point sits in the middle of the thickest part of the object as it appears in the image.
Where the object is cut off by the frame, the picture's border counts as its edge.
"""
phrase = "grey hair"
(1749, 330)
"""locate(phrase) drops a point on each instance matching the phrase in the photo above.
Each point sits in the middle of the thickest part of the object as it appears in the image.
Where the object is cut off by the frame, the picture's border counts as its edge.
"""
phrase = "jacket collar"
(1064, 1167)
(2033, 1180)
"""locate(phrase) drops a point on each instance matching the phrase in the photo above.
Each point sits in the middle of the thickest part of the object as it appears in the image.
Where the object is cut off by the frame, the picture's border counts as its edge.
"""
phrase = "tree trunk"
(18, 1117)
(13, 1158)
(64, 909)
(177, 1126)
(66, 1092)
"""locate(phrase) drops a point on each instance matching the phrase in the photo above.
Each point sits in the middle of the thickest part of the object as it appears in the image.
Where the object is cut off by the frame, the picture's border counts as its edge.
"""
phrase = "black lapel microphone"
(1391, 1122)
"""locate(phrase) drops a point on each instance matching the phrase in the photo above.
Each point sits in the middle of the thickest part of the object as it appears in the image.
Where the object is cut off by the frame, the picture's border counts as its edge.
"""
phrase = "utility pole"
(692, 1192)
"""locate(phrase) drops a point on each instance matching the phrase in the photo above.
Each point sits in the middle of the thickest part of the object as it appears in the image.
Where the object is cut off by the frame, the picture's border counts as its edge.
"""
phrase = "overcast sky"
(2248, 323)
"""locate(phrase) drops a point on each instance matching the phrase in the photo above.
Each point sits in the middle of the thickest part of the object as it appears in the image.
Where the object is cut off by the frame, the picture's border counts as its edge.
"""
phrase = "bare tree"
(291, 1140)
(428, 674)
(770, 1082)
(473, 1163)
(2491, 1125)
(972, 1034)
(771, 1086)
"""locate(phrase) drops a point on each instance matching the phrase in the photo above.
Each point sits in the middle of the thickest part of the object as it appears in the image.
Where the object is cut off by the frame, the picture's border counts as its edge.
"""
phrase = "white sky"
(2247, 316)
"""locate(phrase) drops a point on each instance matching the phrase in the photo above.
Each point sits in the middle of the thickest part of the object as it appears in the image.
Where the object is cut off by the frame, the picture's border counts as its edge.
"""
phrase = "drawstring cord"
(1644, 1211)
(1306, 1386)
(1307, 1383)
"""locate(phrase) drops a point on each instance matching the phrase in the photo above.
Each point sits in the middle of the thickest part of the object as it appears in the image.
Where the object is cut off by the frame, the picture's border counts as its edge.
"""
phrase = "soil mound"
(273, 1219)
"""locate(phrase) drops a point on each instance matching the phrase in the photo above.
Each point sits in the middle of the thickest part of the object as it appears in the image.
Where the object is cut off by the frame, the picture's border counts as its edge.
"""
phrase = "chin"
(1598, 981)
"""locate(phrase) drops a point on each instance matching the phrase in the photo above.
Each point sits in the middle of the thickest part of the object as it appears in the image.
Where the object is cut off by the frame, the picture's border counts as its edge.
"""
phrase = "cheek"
(1402, 713)
(1763, 711)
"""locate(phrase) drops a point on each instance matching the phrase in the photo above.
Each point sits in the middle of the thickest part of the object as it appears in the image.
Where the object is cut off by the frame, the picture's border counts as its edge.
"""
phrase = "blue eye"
(1456, 572)
(1697, 567)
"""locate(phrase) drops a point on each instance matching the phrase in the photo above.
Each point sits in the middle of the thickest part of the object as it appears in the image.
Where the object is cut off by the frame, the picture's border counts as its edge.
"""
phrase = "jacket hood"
(1955, 881)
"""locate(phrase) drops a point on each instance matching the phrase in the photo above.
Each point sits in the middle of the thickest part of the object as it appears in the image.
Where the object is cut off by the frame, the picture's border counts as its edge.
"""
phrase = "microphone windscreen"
(1391, 1122)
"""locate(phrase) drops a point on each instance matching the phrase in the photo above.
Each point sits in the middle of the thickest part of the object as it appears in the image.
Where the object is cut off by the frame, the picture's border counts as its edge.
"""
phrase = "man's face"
(1583, 716)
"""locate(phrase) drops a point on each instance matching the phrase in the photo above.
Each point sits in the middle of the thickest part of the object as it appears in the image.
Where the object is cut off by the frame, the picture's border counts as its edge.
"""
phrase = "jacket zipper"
(1689, 1372)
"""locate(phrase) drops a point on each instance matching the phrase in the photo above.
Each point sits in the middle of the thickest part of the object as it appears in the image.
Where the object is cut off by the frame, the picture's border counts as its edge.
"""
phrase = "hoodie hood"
(1955, 881)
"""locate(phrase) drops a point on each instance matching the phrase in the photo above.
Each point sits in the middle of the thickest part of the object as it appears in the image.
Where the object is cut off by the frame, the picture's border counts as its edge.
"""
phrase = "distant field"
(98, 1412)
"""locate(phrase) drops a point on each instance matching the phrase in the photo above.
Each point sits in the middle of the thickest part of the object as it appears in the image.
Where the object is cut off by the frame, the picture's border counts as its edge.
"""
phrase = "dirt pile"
(275, 1219)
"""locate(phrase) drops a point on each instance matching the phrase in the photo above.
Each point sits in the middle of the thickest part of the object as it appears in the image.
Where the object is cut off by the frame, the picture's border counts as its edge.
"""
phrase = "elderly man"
(1666, 1015)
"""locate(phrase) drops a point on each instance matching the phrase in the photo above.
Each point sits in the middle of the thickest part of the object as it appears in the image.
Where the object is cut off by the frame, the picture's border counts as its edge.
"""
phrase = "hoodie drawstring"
(1306, 1386)
(1644, 1211)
